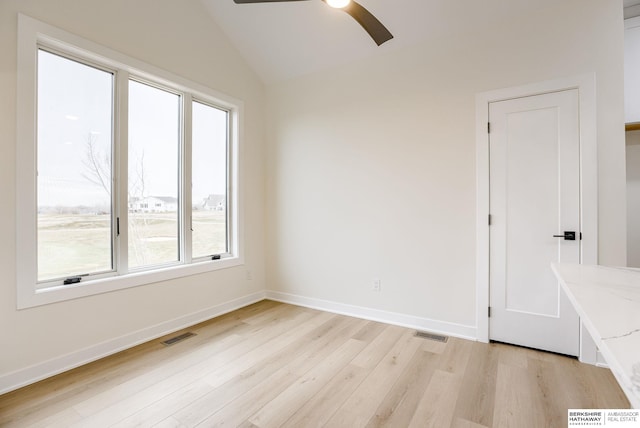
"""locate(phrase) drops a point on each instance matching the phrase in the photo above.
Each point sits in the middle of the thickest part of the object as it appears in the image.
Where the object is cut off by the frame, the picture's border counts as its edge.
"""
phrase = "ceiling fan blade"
(261, 1)
(370, 23)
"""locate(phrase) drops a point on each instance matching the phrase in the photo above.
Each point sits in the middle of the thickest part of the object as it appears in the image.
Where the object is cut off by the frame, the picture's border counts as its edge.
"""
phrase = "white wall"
(372, 165)
(181, 38)
(633, 199)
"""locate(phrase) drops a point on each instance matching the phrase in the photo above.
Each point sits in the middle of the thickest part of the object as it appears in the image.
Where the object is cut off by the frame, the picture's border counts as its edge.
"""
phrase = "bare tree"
(98, 169)
(137, 178)
(98, 164)
(138, 222)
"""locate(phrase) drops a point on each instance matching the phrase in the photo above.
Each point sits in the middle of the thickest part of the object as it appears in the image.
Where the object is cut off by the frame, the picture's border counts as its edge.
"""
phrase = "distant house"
(153, 204)
(214, 203)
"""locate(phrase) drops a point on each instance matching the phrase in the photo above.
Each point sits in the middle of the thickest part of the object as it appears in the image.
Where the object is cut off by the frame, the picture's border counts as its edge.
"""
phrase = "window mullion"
(233, 211)
(121, 177)
(230, 158)
(186, 183)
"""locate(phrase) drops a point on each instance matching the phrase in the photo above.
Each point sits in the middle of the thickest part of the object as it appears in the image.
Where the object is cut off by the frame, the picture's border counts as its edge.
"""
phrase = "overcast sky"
(75, 105)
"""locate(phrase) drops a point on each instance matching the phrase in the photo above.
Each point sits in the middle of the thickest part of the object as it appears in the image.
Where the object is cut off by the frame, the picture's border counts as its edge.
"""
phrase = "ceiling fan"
(370, 23)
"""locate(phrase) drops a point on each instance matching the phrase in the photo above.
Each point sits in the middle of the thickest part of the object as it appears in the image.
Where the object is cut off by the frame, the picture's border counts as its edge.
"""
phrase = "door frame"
(586, 86)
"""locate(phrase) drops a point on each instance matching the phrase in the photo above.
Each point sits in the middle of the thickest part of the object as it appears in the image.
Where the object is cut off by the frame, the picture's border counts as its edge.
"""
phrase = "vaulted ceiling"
(285, 40)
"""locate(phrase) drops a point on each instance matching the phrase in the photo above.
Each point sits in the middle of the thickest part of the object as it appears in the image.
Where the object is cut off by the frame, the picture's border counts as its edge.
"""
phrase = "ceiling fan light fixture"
(338, 4)
(378, 32)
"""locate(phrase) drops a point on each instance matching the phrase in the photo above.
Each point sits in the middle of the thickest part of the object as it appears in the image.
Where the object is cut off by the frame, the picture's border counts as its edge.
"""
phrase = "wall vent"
(177, 339)
(432, 336)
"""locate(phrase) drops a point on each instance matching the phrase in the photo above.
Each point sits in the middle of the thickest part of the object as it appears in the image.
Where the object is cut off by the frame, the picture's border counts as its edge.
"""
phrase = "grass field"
(74, 244)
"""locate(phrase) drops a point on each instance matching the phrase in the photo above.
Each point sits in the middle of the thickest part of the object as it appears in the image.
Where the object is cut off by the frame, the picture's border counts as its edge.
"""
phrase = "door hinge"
(488, 127)
(489, 220)
(117, 226)
(489, 311)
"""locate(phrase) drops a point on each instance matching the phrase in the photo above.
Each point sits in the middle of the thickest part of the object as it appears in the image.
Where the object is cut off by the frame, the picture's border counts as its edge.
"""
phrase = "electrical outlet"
(249, 275)
(376, 285)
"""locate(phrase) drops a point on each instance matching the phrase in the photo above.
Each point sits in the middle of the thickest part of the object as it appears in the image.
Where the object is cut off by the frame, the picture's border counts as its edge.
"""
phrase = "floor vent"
(177, 339)
(432, 336)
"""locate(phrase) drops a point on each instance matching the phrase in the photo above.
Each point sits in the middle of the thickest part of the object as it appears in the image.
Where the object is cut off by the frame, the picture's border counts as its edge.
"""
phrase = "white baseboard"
(409, 321)
(32, 374)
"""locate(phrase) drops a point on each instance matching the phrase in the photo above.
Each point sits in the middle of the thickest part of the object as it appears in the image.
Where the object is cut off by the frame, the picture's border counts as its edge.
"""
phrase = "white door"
(534, 194)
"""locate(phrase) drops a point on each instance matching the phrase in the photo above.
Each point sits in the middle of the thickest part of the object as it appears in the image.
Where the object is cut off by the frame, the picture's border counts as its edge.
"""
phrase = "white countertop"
(608, 302)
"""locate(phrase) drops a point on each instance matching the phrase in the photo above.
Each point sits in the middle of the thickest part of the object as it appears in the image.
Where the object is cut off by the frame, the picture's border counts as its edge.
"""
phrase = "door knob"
(568, 236)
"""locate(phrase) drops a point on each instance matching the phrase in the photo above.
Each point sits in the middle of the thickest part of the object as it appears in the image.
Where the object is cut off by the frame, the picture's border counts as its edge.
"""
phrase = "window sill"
(29, 297)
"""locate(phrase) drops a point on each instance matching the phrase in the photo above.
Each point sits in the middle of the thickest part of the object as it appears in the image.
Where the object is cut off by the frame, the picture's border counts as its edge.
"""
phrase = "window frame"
(183, 170)
(33, 35)
(113, 237)
(189, 207)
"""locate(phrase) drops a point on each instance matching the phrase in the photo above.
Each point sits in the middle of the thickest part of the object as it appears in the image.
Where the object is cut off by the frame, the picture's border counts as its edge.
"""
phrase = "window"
(154, 148)
(124, 171)
(75, 109)
(209, 180)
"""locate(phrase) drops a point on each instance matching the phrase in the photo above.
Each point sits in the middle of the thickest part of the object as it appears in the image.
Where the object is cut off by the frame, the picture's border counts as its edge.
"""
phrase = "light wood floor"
(271, 365)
